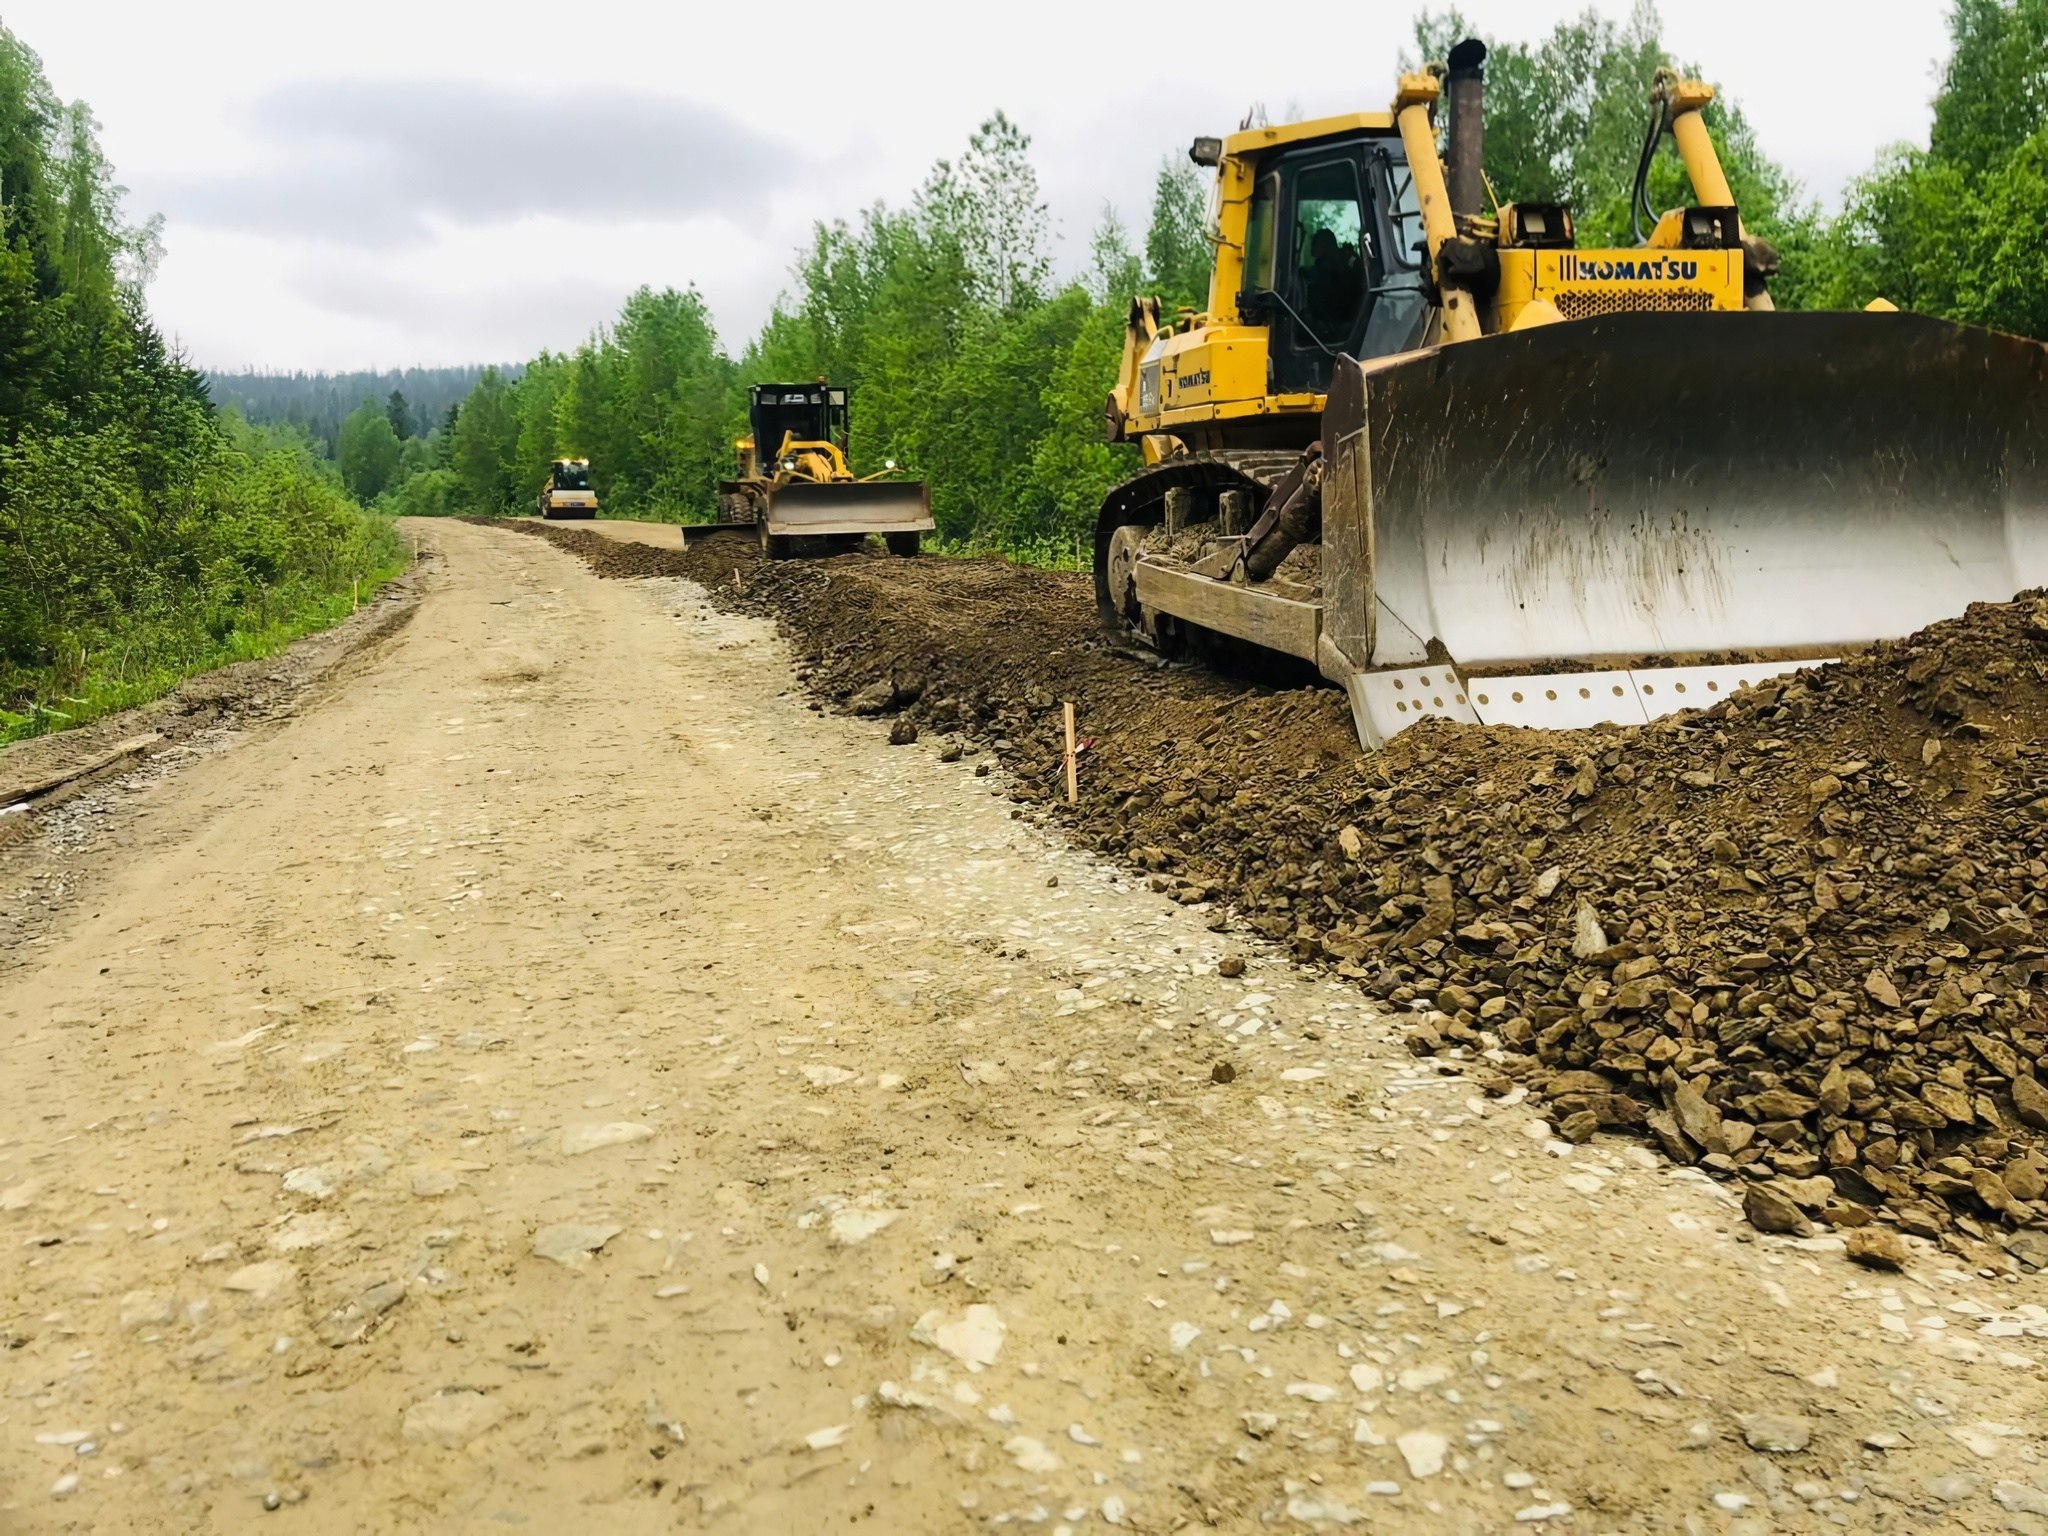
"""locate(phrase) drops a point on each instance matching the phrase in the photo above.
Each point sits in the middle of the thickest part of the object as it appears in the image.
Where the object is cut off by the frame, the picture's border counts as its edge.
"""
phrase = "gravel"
(1792, 936)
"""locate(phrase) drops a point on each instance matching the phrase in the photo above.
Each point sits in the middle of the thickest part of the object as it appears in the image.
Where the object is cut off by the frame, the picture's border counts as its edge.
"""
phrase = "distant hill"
(319, 402)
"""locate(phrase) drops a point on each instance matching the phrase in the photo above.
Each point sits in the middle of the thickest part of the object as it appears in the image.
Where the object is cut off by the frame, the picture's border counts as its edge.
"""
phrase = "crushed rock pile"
(1799, 940)
(1796, 937)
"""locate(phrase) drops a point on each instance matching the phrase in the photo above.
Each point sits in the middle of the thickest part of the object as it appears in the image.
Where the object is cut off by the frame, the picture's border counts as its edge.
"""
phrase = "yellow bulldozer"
(801, 497)
(1464, 469)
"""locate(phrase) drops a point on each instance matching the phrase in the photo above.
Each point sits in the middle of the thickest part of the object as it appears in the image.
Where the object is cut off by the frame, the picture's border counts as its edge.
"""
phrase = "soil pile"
(1796, 939)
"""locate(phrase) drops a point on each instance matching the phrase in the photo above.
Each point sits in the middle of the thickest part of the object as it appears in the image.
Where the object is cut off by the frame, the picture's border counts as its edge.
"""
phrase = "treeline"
(318, 404)
(972, 366)
(648, 400)
(967, 363)
(142, 537)
(1960, 227)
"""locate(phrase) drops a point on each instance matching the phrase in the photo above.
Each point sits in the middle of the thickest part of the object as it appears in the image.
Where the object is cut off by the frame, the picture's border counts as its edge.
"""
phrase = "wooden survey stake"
(1073, 782)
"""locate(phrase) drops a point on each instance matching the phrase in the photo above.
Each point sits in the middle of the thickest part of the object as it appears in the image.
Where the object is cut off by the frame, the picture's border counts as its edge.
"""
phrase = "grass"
(1050, 552)
(144, 656)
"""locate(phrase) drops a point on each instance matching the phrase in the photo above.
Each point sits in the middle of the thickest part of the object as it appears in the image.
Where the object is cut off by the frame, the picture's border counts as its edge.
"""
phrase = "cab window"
(1404, 213)
(1258, 235)
(1329, 249)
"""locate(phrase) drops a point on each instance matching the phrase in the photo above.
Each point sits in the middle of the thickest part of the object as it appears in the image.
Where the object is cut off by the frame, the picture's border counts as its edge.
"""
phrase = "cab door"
(1323, 265)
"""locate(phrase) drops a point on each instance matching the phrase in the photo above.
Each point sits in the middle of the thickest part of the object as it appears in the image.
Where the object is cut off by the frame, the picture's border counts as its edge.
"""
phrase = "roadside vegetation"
(415, 401)
(1958, 227)
(144, 535)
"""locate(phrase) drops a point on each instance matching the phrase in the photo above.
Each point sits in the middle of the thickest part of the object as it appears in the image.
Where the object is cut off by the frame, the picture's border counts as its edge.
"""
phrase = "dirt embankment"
(1795, 939)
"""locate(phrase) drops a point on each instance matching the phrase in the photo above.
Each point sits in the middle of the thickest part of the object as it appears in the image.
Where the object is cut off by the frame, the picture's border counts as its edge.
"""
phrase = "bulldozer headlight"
(888, 463)
(1206, 151)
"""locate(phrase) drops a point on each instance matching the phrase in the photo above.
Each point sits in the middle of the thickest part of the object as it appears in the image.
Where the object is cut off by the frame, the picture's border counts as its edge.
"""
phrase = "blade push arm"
(1413, 100)
(1685, 101)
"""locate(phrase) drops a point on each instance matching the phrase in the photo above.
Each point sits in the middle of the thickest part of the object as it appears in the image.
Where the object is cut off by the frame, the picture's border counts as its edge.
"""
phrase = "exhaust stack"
(1465, 87)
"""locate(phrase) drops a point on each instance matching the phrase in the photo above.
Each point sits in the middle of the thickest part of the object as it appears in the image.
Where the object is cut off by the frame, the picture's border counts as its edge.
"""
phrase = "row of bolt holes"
(1549, 693)
(1401, 708)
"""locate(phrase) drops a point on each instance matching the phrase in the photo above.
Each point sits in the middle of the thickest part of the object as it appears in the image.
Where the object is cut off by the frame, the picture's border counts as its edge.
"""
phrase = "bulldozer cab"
(810, 413)
(1334, 250)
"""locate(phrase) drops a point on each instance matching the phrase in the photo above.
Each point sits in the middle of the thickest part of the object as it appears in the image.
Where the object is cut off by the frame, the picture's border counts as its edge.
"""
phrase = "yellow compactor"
(801, 497)
(1466, 469)
(567, 491)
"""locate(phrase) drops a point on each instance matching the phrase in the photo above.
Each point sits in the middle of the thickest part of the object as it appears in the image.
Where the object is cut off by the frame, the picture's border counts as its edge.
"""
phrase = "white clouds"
(380, 163)
(495, 293)
(453, 180)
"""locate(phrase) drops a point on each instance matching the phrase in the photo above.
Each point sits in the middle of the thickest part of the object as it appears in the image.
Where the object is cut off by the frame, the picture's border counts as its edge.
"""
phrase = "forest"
(416, 400)
(971, 365)
(144, 535)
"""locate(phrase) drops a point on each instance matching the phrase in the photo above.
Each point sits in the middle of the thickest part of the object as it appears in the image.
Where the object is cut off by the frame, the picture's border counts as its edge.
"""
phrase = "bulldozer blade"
(1648, 488)
(811, 509)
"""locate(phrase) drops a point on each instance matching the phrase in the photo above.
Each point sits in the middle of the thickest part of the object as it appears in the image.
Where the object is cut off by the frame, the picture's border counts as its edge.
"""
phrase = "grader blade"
(806, 510)
(738, 510)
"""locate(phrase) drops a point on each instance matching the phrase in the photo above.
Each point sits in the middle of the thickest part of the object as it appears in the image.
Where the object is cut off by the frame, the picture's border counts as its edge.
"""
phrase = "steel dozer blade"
(1591, 510)
(818, 509)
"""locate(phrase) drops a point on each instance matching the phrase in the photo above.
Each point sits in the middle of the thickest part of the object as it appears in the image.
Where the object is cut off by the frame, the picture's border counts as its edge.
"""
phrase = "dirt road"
(564, 1080)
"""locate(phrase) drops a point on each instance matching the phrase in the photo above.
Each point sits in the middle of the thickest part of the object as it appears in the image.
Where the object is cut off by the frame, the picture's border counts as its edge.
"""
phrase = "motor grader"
(1465, 469)
(801, 497)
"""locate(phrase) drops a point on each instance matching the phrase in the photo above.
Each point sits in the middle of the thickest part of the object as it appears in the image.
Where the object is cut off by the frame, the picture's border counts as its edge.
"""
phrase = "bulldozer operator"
(1333, 280)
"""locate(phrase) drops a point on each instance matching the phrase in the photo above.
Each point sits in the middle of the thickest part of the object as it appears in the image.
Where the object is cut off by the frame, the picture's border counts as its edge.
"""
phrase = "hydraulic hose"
(1639, 194)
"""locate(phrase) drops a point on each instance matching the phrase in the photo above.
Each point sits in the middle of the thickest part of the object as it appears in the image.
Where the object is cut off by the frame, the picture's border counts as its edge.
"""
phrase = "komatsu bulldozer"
(1466, 469)
(800, 497)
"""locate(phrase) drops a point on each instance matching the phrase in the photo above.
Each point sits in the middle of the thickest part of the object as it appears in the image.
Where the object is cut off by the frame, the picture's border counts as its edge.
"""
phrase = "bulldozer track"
(1262, 469)
(1142, 499)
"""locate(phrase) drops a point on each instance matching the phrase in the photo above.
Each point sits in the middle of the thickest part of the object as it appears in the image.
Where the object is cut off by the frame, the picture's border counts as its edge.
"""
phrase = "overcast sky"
(382, 183)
